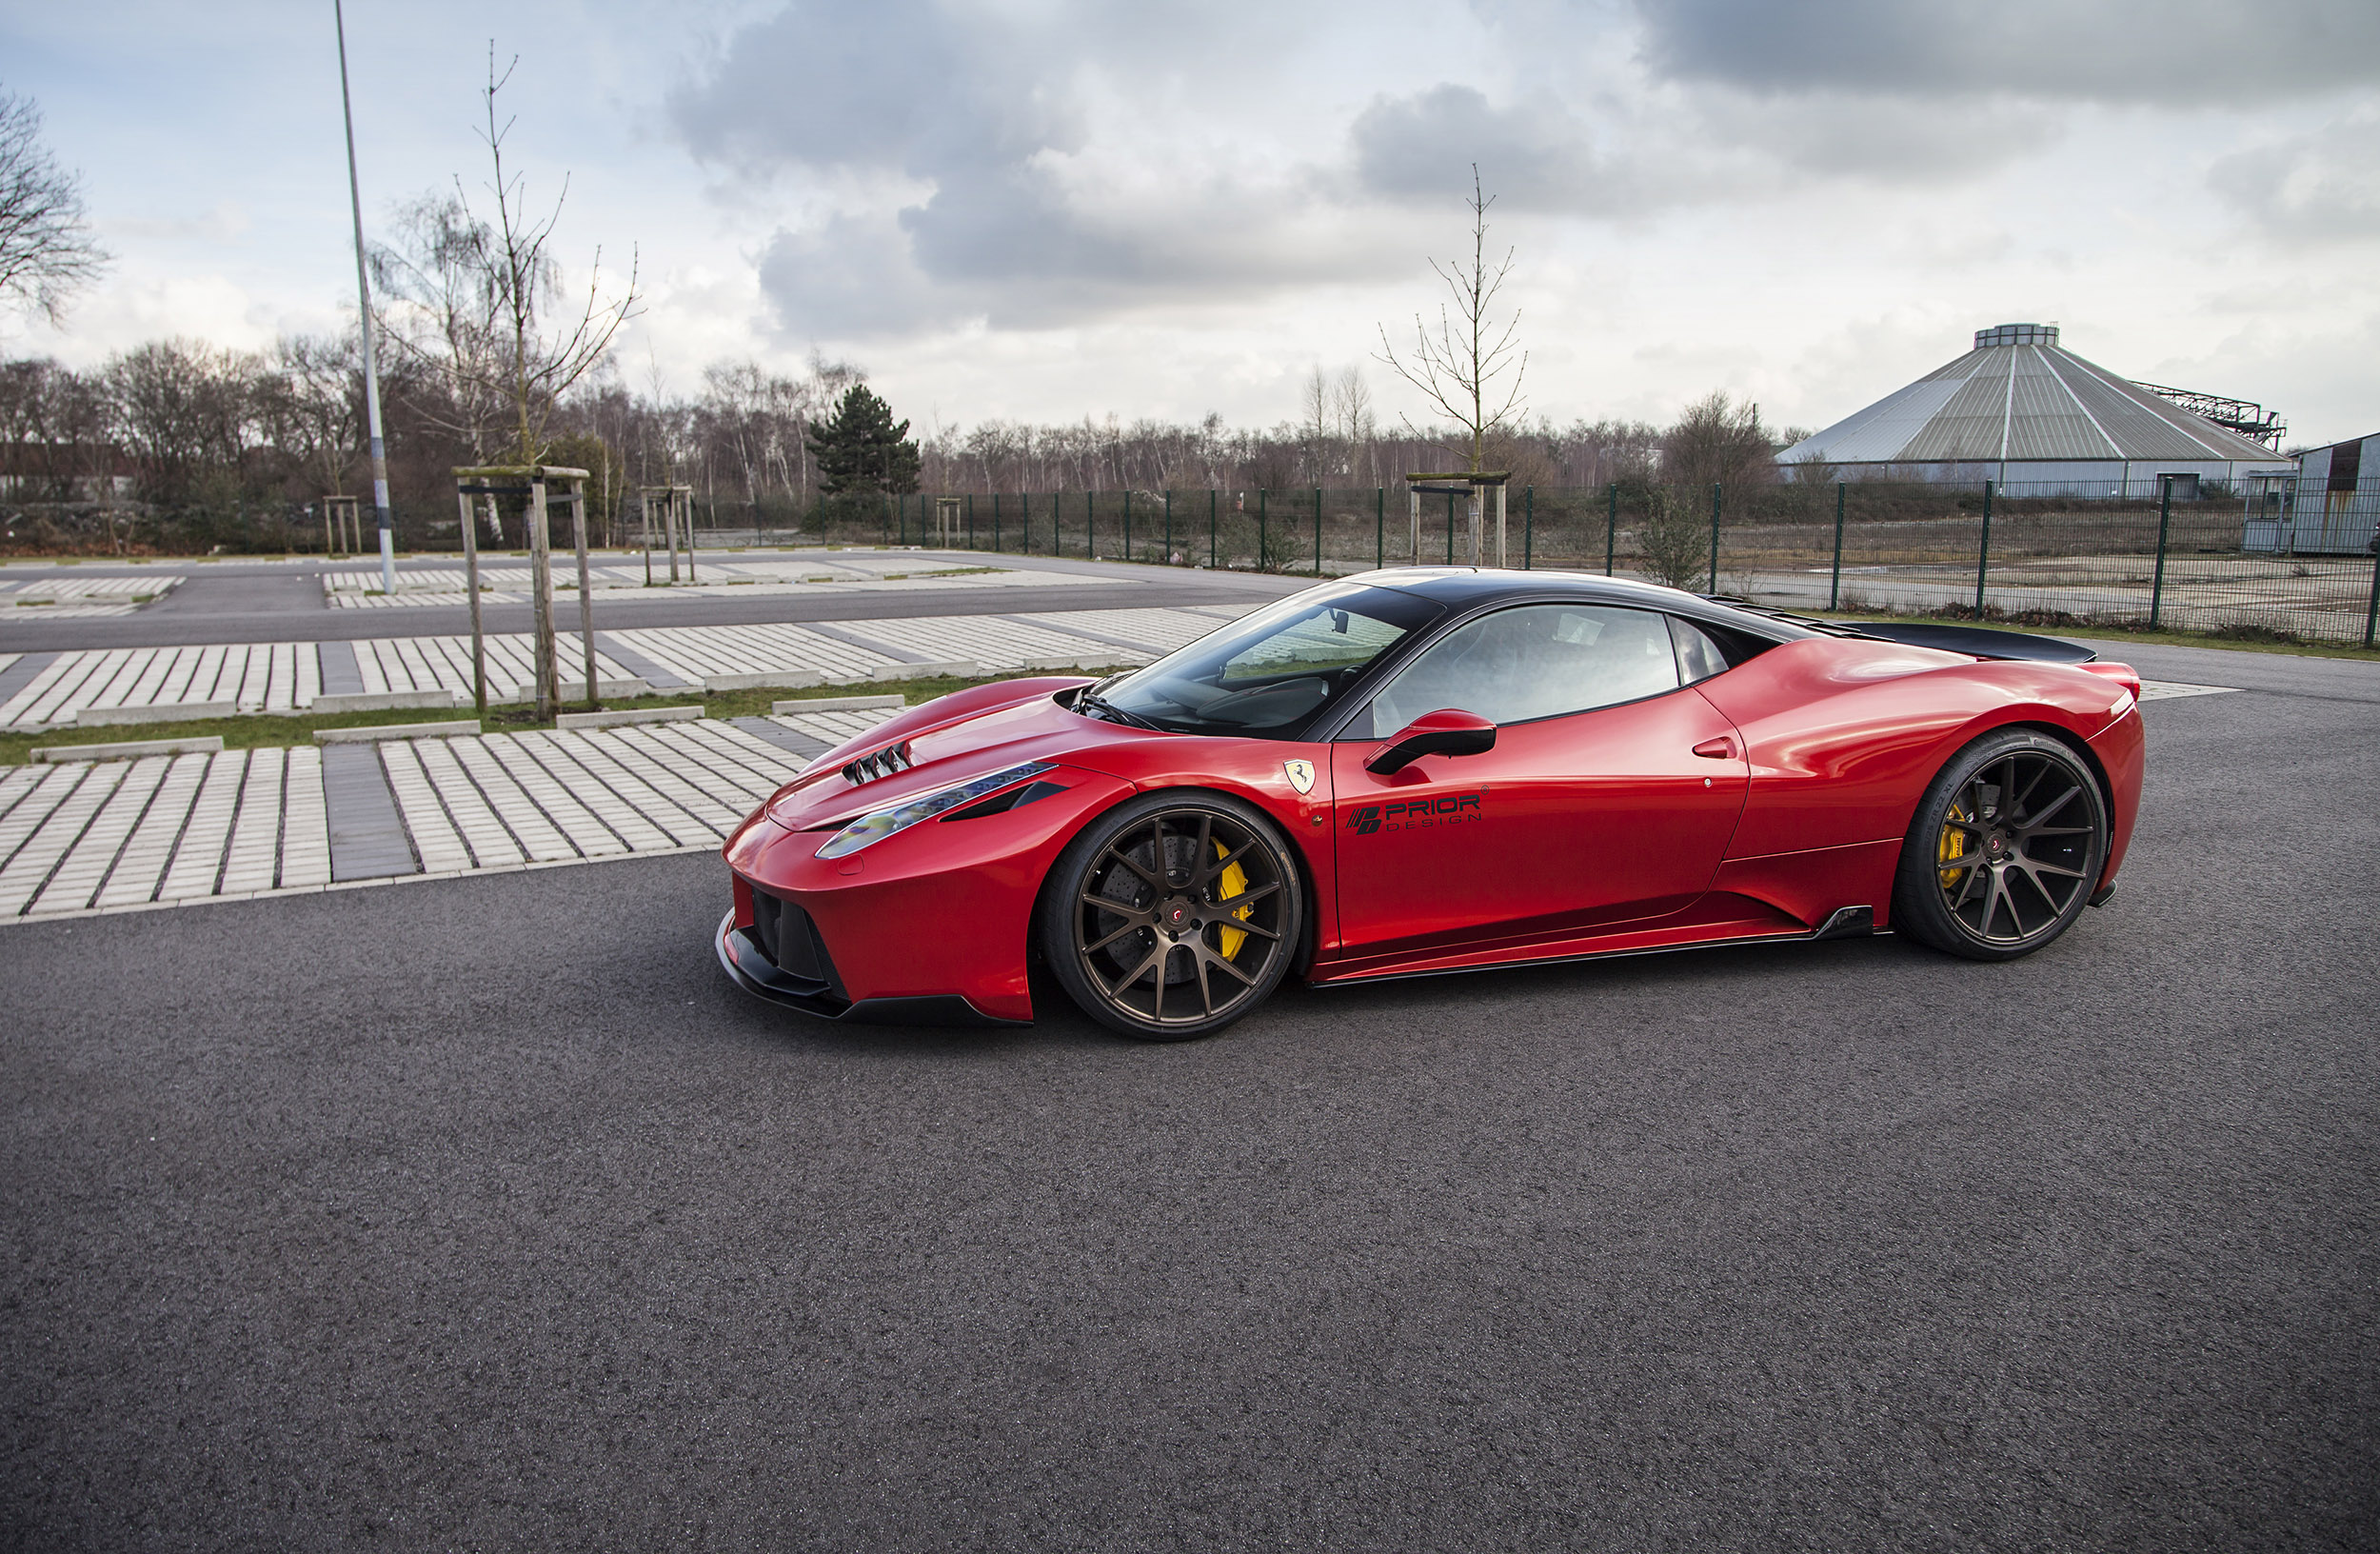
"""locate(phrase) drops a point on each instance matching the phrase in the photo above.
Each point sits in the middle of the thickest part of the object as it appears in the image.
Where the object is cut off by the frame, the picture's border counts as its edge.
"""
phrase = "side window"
(1533, 661)
(1699, 657)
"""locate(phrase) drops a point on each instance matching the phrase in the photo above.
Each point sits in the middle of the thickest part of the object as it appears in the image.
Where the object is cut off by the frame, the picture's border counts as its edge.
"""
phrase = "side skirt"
(1843, 923)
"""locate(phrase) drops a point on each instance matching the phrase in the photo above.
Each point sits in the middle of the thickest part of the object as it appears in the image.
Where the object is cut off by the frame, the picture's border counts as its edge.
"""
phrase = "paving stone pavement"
(108, 836)
(81, 597)
(50, 689)
(505, 583)
(160, 830)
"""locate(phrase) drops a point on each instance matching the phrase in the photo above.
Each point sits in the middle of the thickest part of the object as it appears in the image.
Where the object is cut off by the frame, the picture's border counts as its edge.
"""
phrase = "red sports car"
(1427, 771)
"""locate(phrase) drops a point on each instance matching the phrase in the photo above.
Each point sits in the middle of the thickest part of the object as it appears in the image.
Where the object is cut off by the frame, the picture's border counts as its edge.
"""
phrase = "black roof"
(1465, 588)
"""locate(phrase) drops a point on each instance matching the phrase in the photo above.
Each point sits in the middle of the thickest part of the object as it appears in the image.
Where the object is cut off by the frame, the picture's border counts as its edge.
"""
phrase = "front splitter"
(763, 981)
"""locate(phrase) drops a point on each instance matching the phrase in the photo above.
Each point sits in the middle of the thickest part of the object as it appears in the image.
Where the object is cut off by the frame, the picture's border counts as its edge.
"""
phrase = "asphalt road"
(228, 602)
(485, 1214)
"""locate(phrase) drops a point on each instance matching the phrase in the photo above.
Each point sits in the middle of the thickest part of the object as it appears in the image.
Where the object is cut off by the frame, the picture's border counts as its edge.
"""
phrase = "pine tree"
(860, 449)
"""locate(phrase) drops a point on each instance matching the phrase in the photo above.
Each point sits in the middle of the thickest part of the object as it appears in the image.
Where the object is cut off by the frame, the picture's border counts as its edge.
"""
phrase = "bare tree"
(491, 313)
(47, 250)
(442, 311)
(313, 402)
(1458, 368)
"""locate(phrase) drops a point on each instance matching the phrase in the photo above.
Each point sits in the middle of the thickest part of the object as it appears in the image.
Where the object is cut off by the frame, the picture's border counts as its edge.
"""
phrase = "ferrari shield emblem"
(1300, 775)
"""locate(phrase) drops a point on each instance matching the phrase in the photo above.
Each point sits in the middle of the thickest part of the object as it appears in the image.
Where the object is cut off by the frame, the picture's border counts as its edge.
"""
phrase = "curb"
(396, 730)
(837, 704)
(100, 717)
(629, 714)
(126, 750)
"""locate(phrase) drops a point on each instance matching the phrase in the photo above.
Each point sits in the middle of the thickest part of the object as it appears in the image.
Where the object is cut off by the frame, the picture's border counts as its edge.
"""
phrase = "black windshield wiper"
(1089, 697)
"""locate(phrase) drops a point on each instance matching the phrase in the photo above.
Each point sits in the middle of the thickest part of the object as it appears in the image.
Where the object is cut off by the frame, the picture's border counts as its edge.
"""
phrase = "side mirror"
(1446, 732)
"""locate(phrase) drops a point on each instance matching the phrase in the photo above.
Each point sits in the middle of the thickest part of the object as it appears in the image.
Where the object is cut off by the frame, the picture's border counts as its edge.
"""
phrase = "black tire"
(1171, 961)
(2005, 850)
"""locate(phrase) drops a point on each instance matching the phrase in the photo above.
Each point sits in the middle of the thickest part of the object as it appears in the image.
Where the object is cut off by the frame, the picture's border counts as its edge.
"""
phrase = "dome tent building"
(2021, 410)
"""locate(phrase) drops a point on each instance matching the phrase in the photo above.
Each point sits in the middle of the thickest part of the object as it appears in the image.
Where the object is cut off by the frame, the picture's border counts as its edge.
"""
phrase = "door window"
(1531, 662)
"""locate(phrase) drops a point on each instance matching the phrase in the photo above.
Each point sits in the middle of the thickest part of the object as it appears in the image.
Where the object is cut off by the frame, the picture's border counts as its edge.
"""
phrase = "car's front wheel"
(1171, 915)
(2004, 849)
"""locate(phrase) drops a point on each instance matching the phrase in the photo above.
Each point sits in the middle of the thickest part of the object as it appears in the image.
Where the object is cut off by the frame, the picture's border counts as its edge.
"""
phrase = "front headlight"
(878, 823)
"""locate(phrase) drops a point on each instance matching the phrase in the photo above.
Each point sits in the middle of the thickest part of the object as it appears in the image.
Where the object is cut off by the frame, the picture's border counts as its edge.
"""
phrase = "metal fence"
(1990, 551)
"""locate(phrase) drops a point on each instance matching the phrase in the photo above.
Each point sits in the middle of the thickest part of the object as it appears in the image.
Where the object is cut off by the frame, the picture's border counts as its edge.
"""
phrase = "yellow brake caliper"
(1235, 880)
(1952, 849)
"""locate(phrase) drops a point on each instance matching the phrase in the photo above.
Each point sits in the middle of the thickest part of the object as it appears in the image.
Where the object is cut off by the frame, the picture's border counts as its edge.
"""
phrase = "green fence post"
(1450, 528)
(1611, 531)
(1379, 526)
(2164, 524)
(970, 520)
(995, 548)
(1169, 557)
(1715, 537)
(1211, 495)
(1834, 583)
(1090, 524)
(1983, 553)
(903, 509)
(1528, 524)
(1127, 523)
(1318, 531)
(2371, 610)
(1263, 540)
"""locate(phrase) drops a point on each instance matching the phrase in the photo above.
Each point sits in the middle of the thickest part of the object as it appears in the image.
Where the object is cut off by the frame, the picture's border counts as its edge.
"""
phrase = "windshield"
(1269, 675)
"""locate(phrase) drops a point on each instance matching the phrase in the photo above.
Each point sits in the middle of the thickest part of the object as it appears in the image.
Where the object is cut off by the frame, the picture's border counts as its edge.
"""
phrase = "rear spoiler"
(1978, 642)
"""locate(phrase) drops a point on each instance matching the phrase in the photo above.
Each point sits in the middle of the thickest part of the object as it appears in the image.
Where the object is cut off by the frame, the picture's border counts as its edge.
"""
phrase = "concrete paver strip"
(491, 845)
(601, 822)
(23, 876)
(661, 772)
(833, 728)
(254, 860)
(198, 853)
(83, 865)
(304, 822)
(537, 836)
(677, 827)
(435, 839)
(141, 866)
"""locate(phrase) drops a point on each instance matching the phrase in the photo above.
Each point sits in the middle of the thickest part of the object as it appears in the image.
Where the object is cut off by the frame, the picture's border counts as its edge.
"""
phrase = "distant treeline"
(181, 446)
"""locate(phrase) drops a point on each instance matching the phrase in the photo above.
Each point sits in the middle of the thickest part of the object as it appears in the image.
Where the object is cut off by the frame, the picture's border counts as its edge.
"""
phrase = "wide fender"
(943, 908)
(1260, 771)
(1843, 736)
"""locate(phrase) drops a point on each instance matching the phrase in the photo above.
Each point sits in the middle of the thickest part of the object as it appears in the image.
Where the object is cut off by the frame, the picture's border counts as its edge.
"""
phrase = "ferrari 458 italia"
(1426, 770)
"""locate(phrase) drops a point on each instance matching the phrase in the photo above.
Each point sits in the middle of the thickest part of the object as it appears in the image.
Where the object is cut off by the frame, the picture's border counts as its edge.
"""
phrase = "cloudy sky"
(1046, 208)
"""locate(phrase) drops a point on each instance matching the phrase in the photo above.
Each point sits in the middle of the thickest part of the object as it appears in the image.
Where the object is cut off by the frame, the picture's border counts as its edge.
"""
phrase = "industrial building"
(2021, 410)
(2329, 506)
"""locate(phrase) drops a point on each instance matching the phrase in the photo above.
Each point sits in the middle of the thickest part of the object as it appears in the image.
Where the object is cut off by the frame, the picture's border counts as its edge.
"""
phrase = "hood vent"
(877, 763)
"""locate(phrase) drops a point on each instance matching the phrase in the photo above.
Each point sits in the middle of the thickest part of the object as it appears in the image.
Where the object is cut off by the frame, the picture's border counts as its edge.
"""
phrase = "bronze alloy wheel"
(1172, 916)
(2006, 848)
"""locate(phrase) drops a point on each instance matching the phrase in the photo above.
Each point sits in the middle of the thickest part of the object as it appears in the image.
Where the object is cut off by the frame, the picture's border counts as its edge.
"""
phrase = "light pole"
(363, 321)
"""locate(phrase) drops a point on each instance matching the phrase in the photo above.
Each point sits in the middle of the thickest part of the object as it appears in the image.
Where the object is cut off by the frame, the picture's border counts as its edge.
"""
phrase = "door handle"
(1721, 748)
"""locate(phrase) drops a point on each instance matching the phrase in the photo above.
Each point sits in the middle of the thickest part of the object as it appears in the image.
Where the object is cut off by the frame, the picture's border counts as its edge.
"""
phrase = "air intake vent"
(877, 763)
(2016, 334)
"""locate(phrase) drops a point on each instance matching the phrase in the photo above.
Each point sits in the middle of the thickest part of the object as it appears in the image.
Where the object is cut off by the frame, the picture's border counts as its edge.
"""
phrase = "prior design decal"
(1415, 814)
(1300, 775)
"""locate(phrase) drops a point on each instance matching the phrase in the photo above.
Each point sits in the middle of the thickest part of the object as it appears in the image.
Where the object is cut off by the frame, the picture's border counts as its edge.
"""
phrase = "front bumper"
(751, 970)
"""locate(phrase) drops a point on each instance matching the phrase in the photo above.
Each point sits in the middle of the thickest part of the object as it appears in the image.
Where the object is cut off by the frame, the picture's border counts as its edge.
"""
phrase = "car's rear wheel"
(1171, 915)
(2005, 850)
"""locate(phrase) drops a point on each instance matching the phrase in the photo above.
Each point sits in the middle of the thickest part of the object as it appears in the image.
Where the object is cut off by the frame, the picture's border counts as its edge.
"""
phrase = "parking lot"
(483, 1212)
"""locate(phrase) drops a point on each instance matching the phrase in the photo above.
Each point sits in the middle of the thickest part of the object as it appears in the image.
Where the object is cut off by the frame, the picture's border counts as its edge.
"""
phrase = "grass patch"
(265, 730)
